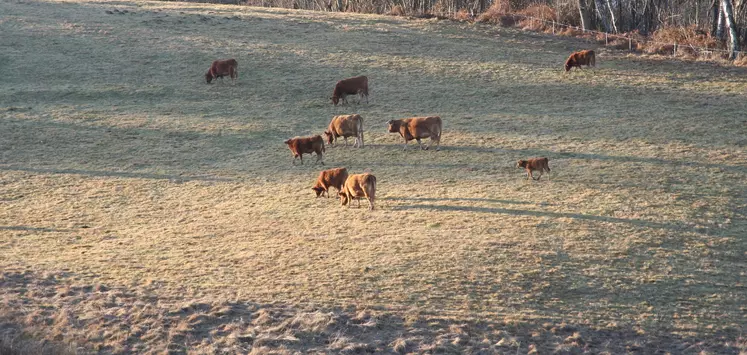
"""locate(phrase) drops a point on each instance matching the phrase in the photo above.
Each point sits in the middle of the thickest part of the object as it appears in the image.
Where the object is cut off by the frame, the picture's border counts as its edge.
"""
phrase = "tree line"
(722, 20)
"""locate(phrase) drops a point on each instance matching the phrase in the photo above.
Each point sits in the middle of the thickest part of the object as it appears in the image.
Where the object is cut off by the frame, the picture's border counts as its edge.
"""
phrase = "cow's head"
(330, 137)
(208, 77)
(318, 189)
(521, 164)
(343, 198)
(335, 100)
(569, 64)
(288, 142)
(393, 125)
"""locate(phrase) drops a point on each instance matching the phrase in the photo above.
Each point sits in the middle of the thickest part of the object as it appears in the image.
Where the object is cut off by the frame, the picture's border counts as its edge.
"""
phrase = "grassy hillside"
(144, 210)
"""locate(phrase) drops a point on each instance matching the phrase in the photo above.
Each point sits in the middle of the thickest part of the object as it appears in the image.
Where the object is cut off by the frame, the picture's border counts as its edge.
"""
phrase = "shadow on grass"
(32, 229)
(458, 199)
(121, 174)
(586, 217)
(308, 328)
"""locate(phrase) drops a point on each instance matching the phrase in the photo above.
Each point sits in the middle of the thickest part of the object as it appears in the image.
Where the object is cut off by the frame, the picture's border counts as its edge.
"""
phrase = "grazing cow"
(536, 164)
(330, 178)
(221, 68)
(306, 145)
(351, 86)
(357, 186)
(417, 128)
(345, 126)
(577, 59)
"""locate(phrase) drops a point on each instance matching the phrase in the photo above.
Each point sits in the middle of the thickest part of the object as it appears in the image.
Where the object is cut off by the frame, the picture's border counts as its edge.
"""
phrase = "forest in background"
(693, 25)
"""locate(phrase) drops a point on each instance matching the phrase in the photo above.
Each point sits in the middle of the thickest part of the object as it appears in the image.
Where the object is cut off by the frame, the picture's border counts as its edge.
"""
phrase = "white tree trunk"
(601, 14)
(611, 7)
(732, 26)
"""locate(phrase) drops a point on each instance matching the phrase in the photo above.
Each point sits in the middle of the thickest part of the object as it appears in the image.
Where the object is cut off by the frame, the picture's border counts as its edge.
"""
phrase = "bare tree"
(731, 25)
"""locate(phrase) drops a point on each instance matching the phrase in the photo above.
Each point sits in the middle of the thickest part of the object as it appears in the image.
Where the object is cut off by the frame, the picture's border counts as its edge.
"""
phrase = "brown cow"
(345, 126)
(351, 86)
(536, 164)
(357, 186)
(306, 145)
(330, 178)
(577, 59)
(417, 128)
(221, 68)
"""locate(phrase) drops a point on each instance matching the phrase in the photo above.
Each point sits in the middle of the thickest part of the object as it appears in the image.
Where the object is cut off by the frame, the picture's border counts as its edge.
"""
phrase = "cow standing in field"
(306, 145)
(345, 126)
(536, 164)
(357, 186)
(417, 128)
(330, 178)
(221, 68)
(577, 59)
(351, 86)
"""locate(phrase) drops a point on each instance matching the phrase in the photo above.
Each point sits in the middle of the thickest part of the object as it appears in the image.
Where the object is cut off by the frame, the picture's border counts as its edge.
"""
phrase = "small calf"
(306, 145)
(330, 178)
(221, 68)
(536, 164)
(357, 186)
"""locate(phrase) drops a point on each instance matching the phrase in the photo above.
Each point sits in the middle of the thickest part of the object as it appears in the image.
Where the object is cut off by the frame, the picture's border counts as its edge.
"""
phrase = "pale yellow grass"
(130, 190)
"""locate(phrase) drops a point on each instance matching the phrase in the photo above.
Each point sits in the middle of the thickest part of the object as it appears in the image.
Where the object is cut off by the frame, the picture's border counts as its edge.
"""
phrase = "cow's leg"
(359, 202)
(294, 159)
(319, 158)
(301, 156)
(346, 141)
(361, 138)
(437, 141)
(540, 175)
(421, 144)
(405, 146)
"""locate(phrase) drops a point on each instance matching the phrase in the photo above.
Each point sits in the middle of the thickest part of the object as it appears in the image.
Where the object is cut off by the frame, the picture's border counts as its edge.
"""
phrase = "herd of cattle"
(356, 186)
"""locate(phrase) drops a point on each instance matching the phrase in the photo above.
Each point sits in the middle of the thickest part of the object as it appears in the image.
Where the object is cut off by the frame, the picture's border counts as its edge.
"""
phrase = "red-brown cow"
(577, 59)
(417, 128)
(536, 164)
(330, 178)
(351, 86)
(357, 186)
(221, 68)
(345, 126)
(306, 145)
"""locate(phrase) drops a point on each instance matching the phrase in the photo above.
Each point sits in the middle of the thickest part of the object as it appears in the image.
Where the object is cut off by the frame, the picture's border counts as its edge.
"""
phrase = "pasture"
(142, 210)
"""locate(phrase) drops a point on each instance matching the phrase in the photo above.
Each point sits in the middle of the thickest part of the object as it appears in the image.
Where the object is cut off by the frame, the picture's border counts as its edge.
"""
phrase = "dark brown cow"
(357, 186)
(330, 178)
(577, 59)
(345, 126)
(417, 128)
(351, 86)
(536, 164)
(221, 68)
(306, 145)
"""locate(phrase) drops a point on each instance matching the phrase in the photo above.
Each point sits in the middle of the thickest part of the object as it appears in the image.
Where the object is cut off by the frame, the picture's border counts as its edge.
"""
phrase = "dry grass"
(142, 210)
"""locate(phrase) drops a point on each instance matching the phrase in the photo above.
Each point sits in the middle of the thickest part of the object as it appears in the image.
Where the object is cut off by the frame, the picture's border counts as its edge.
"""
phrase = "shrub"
(396, 10)
(462, 15)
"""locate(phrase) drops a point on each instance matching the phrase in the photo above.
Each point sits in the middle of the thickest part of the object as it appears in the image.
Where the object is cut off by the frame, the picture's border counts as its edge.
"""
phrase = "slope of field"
(142, 210)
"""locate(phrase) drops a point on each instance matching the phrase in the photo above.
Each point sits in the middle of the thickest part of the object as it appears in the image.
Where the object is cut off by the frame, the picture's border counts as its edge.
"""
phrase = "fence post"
(553, 26)
(674, 50)
(606, 41)
(630, 44)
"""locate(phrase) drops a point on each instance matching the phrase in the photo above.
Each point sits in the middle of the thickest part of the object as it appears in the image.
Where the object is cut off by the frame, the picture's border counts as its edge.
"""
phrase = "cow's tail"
(593, 59)
(371, 187)
(360, 129)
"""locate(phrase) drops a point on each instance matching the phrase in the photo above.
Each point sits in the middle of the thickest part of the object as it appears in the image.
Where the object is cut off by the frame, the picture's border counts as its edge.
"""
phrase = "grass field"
(144, 211)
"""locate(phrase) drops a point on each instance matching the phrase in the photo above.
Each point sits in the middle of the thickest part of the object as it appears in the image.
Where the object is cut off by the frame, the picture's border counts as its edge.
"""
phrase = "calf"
(306, 145)
(357, 186)
(351, 86)
(330, 178)
(417, 128)
(221, 68)
(577, 59)
(536, 164)
(345, 126)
